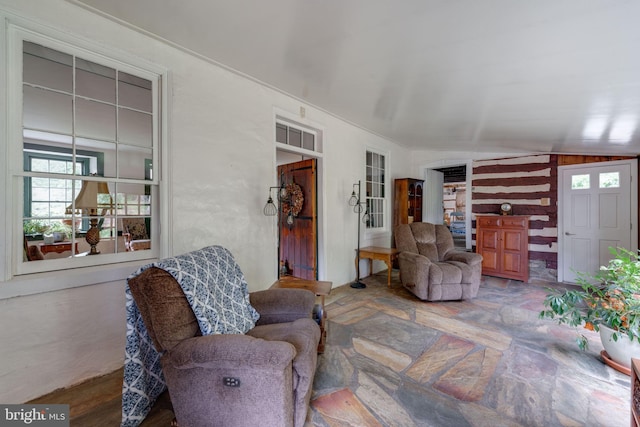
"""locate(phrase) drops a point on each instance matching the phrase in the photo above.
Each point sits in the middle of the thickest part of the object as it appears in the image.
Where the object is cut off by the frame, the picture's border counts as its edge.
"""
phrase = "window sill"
(37, 283)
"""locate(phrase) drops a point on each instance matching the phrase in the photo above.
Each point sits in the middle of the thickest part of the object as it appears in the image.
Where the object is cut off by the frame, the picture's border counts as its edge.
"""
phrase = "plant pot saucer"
(615, 365)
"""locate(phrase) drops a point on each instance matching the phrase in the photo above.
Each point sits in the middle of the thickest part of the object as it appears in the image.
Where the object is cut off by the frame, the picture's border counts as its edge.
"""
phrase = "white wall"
(222, 161)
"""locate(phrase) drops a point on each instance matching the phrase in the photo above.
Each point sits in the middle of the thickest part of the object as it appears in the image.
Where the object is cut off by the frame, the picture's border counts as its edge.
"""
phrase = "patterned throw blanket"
(218, 294)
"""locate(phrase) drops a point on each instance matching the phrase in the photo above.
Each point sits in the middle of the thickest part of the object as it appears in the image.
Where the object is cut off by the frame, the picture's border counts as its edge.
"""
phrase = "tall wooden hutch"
(407, 206)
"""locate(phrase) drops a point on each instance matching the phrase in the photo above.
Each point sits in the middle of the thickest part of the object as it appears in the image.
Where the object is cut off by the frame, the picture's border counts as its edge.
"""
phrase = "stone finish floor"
(393, 360)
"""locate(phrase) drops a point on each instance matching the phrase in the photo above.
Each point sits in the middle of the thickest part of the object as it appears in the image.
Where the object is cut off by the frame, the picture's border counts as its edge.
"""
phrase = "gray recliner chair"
(263, 377)
(431, 268)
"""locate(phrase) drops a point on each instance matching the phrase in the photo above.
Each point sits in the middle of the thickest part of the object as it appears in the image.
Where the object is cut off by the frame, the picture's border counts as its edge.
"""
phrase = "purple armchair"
(264, 377)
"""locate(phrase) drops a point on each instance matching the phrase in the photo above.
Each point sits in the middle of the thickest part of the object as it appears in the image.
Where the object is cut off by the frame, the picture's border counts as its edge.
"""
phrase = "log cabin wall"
(530, 184)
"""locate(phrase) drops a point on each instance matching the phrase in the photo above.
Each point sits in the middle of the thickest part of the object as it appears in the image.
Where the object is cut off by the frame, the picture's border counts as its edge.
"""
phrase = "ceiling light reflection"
(594, 129)
(622, 129)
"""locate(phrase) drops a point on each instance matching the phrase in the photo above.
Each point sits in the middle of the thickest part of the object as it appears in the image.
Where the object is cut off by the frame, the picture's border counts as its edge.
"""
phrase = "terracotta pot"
(620, 351)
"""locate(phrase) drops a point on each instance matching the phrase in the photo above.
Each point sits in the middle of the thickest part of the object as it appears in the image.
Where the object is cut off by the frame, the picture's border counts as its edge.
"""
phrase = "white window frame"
(372, 232)
(20, 278)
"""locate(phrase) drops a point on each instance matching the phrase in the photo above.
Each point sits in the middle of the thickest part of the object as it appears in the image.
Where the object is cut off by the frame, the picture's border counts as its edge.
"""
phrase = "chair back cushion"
(444, 241)
(425, 235)
(136, 227)
(164, 308)
(404, 239)
(430, 240)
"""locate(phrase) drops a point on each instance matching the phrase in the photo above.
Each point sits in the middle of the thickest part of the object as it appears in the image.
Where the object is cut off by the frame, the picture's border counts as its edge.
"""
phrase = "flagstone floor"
(392, 360)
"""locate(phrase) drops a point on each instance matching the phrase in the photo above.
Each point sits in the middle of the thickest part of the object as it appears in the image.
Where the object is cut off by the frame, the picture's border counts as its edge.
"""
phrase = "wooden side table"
(388, 255)
(58, 248)
(320, 288)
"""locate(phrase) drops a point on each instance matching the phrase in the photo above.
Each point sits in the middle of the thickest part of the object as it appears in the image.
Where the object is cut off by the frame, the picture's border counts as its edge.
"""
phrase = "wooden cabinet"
(407, 206)
(503, 242)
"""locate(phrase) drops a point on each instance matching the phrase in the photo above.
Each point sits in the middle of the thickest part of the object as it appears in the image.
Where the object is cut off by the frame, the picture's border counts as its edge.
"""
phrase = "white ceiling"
(471, 75)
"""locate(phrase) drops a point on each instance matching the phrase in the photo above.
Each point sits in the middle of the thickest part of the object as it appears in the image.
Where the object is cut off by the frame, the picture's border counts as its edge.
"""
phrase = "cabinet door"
(417, 217)
(488, 241)
(513, 242)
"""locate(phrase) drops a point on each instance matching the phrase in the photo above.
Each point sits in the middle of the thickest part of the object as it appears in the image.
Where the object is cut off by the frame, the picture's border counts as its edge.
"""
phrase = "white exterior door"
(597, 204)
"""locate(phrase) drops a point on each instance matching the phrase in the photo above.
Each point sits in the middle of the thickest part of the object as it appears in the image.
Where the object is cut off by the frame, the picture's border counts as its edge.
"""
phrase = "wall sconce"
(290, 201)
(357, 208)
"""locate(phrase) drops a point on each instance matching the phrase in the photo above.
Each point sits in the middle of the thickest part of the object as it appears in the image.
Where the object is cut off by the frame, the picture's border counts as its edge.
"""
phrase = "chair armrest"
(468, 258)
(229, 351)
(282, 305)
(414, 268)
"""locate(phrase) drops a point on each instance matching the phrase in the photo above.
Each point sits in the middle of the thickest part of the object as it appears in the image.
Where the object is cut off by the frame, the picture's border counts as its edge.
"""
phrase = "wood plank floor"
(98, 402)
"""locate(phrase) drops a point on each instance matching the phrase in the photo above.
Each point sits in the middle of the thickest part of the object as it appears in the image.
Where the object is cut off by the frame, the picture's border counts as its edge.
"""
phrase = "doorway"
(298, 220)
(454, 202)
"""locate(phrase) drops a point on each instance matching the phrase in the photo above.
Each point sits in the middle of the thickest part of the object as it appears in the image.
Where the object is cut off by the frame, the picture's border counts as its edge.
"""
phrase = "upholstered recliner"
(431, 268)
(263, 377)
(136, 236)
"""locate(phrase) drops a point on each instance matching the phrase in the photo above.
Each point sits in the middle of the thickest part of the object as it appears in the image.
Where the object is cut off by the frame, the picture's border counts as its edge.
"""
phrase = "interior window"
(375, 189)
(88, 146)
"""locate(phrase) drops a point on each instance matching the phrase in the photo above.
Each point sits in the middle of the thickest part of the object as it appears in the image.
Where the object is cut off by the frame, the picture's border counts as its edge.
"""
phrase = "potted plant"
(34, 227)
(59, 231)
(607, 302)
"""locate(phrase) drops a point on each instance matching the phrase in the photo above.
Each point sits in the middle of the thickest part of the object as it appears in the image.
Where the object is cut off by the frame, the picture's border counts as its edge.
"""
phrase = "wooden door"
(596, 214)
(298, 241)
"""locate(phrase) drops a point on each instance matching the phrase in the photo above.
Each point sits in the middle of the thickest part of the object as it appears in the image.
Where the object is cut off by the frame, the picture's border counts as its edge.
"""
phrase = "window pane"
(295, 137)
(281, 133)
(131, 161)
(580, 182)
(135, 128)
(47, 67)
(135, 92)
(95, 120)
(610, 180)
(95, 81)
(46, 111)
(308, 142)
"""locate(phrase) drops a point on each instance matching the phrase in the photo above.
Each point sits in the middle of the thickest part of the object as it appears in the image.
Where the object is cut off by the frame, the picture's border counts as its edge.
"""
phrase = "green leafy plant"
(611, 297)
(58, 227)
(34, 226)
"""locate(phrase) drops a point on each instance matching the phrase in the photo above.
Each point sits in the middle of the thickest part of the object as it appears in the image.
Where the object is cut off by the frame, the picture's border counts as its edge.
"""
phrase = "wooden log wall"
(530, 184)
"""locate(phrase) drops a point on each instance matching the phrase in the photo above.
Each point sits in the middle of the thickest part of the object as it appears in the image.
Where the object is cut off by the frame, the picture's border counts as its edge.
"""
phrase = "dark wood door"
(298, 241)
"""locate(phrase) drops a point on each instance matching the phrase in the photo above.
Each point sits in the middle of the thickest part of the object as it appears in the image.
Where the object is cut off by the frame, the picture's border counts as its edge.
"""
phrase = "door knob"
(566, 233)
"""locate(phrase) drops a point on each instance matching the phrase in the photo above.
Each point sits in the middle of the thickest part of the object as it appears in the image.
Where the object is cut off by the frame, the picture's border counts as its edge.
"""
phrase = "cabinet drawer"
(519, 222)
(487, 221)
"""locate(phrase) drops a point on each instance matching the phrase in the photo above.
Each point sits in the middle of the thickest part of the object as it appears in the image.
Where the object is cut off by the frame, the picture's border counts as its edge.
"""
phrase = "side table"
(58, 247)
(388, 255)
(319, 288)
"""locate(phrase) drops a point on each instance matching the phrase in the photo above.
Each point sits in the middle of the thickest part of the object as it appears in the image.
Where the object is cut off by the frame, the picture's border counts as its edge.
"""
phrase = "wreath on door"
(294, 201)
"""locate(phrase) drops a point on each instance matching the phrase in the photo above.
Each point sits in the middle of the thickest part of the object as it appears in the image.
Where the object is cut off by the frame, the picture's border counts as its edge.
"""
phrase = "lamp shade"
(93, 197)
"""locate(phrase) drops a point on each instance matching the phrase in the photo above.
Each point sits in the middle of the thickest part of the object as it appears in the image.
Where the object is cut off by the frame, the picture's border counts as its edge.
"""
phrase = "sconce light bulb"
(353, 200)
(270, 208)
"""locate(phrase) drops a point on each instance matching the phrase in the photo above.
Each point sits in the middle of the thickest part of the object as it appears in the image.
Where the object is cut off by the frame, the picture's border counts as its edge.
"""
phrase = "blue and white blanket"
(218, 294)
